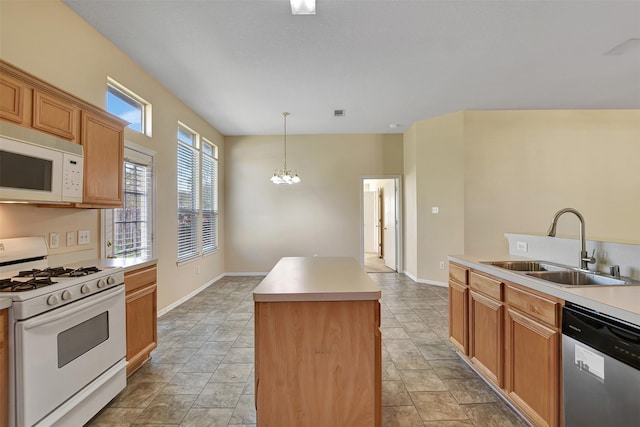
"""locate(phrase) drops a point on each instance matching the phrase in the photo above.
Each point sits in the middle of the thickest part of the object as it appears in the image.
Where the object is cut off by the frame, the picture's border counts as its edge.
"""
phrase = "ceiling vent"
(338, 113)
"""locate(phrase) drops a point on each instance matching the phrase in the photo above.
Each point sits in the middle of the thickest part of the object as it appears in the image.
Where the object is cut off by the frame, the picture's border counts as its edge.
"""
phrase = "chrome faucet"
(585, 259)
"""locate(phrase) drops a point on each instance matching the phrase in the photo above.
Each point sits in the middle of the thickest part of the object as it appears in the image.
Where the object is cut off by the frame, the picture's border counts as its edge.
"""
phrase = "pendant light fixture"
(284, 175)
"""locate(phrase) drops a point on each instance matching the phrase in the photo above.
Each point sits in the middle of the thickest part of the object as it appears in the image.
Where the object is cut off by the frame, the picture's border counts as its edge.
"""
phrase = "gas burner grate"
(58, 272)
(8, 285)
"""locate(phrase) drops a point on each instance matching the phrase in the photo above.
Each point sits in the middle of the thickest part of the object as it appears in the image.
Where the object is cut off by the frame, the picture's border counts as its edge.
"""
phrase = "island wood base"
(318, 348)
(318, 363)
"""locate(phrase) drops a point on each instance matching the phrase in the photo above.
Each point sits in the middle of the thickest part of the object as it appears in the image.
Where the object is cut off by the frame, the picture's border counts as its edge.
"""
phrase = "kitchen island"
(318, 346)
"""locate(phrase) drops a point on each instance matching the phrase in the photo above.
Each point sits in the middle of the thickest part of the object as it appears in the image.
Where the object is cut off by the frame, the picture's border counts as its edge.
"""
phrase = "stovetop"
(37, 278)
(35, 287)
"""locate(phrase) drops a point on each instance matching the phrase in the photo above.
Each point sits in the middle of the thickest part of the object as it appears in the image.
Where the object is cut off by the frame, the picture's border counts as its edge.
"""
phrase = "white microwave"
(38, 168)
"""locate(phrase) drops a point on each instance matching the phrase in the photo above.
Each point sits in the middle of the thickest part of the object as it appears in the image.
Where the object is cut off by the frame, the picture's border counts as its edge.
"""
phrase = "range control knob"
(85, 289)
(66, 296)
(111, 280)
(52, 300)
(102, 283)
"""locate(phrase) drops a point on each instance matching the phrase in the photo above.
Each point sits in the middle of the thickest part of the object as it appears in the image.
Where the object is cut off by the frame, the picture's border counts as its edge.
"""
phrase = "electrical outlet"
(441, 265)
(54, 240)
(522, 246)
(435, 210)
(83, 237)
(71, 238)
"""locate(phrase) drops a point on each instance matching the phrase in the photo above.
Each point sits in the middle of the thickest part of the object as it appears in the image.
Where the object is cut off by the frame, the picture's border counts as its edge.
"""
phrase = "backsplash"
(567, 251)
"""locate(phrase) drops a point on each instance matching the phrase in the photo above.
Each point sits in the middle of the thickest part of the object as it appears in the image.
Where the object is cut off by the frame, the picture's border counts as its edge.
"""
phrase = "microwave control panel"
(72, 172)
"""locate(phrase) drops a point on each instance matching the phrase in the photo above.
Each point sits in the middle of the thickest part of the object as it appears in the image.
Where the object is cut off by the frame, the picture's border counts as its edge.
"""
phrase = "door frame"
(399, 224)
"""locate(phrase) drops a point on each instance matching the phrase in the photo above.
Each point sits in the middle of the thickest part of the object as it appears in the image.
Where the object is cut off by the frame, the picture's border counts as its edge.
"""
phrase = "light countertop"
(622, 302)
(129, 264)
(316, 279)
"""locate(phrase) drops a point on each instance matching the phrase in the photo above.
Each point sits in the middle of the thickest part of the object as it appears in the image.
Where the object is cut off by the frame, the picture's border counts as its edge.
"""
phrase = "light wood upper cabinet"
(55, 115)
(12, 99)
(103, 143)
(33, 103)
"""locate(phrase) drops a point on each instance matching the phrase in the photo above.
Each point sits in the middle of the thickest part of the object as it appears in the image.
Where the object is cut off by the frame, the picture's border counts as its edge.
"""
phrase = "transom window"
(128, 106)
(197, 195)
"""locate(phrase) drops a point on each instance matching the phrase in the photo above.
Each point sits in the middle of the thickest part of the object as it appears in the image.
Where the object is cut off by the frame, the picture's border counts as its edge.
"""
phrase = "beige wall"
(410, 220)
(438, 182)
(321, 215)
(523, 166)
(50, 41)
(492, 172)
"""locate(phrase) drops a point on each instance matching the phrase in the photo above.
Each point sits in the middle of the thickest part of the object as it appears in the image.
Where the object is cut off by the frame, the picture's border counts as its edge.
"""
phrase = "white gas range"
(67, 339)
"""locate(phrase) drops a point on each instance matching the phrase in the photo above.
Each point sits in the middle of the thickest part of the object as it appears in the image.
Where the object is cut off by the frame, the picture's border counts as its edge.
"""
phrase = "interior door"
(389, 238)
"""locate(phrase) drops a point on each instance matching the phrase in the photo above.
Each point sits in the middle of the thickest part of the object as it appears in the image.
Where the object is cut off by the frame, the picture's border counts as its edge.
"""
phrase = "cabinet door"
(142, 331)
(532, 377)
(54, 115)
(12, 94)
(486, 325)
(458, 312)
(4, 362)
(103, 142)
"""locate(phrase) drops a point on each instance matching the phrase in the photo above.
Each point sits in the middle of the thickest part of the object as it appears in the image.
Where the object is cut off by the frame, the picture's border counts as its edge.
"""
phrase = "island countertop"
(316, 279)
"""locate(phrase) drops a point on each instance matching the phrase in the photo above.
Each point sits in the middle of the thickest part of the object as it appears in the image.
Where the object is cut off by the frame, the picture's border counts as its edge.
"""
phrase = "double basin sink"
(561, 274)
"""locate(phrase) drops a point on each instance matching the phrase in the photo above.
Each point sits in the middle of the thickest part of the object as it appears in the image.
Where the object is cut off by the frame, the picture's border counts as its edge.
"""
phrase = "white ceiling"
(240, 64)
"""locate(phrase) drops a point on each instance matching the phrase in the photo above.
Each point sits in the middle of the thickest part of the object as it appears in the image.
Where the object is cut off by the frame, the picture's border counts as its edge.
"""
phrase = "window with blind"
(130, 229)
(197, 195)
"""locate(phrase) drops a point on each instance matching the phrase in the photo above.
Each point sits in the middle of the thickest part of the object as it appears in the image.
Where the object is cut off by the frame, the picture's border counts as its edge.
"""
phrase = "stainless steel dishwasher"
(601, 369)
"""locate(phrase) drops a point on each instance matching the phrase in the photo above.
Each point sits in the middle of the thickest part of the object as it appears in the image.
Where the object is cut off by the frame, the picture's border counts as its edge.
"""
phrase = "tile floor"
(201, 374)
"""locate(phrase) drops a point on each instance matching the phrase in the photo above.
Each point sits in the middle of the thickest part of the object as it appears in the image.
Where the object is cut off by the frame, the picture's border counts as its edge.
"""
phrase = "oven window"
(76, 341)
(25, 172)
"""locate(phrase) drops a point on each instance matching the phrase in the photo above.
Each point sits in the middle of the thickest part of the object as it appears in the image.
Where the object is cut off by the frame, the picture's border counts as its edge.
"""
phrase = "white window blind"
(131, 227)
(209, 197)
(188, 203)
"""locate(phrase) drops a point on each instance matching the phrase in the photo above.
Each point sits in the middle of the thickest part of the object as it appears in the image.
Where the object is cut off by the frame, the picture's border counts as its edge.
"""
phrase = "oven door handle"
(72, 308)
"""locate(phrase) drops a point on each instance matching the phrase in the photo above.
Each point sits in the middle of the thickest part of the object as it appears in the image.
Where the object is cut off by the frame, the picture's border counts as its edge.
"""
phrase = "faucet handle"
(589, 259)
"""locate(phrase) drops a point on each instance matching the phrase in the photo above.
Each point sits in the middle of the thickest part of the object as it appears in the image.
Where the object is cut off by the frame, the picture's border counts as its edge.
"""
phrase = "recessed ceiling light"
(394, 125)
(303, 7)
(624, 47)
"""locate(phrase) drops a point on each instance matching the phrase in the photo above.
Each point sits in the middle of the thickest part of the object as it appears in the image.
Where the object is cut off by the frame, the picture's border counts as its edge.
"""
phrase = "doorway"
(381, 224)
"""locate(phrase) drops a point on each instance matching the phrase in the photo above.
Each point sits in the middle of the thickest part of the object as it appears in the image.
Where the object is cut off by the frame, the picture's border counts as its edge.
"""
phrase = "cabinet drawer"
(138, 278)
(534, 306)
(485, 285)
(458, 273)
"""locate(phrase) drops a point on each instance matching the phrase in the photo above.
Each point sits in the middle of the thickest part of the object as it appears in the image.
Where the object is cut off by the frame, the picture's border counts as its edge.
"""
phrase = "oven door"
(60, 352)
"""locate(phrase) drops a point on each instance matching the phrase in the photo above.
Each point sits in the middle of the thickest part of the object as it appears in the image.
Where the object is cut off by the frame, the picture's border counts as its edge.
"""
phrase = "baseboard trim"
(426, 282)
(190, 295)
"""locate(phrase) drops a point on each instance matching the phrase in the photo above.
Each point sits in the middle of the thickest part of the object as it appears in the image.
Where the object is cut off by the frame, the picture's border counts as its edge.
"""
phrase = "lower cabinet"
(514, 341)
(458, 308)
(318, 363)
(142, 316)
(533, 339)
(4, 365)
(486, 326)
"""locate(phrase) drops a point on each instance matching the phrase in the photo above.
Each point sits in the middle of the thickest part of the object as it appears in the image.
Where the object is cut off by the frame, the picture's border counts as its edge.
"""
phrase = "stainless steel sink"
(577, 278)
(526, 265)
